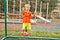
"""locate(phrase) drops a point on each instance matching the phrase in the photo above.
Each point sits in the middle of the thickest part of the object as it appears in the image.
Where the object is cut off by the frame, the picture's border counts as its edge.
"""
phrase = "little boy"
(26, 17)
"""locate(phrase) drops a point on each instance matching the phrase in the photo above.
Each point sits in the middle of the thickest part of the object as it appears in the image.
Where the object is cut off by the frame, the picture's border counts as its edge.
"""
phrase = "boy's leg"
(28, 28)
(22, 33)
(23, 29)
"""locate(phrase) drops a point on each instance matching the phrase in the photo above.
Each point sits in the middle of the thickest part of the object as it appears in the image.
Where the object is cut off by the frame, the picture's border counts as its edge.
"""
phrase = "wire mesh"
(13, 22)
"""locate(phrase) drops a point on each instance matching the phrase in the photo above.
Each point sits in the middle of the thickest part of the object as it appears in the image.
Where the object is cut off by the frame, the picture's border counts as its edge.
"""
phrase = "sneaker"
(22, 34)
(27, 34)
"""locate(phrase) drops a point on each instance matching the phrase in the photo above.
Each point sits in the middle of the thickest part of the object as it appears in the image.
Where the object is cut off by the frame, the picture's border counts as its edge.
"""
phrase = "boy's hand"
(35, 14)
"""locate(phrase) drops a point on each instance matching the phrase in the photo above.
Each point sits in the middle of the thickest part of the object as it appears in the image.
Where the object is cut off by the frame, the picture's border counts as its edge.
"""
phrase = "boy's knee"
(26, 30)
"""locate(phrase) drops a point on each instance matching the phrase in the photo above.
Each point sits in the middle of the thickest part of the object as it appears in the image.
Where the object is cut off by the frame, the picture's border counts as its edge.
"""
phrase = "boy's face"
(27, 7)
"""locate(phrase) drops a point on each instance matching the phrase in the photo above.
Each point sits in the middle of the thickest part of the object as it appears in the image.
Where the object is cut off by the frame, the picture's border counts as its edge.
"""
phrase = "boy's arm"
(31, 14)
(21, 15)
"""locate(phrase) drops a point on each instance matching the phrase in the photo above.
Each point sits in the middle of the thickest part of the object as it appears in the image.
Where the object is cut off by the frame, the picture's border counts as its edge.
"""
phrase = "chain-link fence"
(48, 9)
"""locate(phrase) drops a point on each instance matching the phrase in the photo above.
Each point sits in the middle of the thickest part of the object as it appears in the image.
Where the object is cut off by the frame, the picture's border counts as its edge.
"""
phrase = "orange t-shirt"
(26, 16)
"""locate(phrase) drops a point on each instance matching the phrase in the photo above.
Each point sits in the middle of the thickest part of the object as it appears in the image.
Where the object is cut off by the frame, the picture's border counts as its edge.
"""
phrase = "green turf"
(33, 33)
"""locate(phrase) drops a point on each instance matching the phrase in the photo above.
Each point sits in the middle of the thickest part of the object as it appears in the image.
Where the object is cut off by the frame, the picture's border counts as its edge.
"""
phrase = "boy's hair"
(26, 5)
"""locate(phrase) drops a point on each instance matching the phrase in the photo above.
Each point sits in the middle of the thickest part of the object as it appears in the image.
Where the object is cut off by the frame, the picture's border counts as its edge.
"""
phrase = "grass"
(33, 33)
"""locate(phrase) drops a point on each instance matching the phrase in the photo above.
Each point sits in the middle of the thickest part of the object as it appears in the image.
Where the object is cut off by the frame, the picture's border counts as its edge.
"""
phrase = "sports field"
(38, 30)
